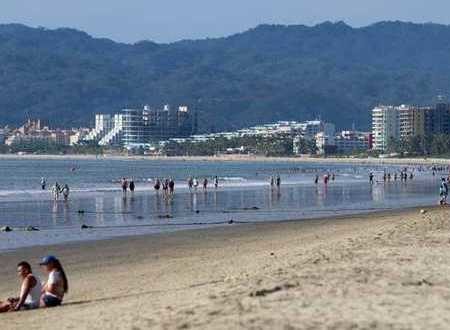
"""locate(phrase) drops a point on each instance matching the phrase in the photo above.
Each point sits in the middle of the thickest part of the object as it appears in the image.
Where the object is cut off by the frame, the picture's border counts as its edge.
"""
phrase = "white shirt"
(55, 279)
(34, 295)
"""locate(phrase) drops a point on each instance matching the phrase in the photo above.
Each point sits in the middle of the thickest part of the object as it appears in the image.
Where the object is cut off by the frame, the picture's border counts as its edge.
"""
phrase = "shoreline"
(80, 240)
(238, 158)
(377, 270)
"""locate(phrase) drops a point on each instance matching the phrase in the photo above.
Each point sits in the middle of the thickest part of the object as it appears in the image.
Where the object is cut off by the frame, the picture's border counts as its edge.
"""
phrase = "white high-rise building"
(385, 126)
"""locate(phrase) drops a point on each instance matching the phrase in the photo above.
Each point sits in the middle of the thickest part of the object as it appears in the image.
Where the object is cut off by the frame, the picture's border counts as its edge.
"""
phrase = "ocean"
(244, 195)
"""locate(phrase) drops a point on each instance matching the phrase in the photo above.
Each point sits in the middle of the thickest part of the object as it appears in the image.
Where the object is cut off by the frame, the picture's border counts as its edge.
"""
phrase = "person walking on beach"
(272, 181)
(30, 291)
(443, 192)
(316, 179)
(195, 183)
(56, 190)
(371, 178)
(66, 192)
(124, 184)
(43, 183)
(171, 186)
(205, 183)
(278, 181)
(132, 185)
(190, 183)
(57, 285)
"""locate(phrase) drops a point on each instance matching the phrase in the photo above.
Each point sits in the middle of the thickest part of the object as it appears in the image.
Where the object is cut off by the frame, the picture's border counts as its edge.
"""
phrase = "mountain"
(271, 72)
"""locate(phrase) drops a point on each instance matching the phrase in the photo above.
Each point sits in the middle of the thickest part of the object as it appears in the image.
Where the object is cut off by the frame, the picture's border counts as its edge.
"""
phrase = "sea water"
(244, 195)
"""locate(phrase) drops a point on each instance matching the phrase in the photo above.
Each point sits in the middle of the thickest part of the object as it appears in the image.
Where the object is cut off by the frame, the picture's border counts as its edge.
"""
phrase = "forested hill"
(268, 73)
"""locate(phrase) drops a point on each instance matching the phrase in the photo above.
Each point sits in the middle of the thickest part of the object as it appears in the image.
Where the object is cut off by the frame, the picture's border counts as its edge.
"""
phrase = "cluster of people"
(32, 293)
(127, 184)
(193, 183)
(167, 185)
(57, 189)
(403, 176)
(326, 178)
(275, 181)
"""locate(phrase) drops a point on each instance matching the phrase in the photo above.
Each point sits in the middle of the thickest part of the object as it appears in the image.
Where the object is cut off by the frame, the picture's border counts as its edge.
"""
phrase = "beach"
(388, 270)
(306, 159)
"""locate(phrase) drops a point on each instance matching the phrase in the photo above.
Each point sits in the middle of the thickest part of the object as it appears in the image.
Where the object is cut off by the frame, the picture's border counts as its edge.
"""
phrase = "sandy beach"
(378, 271)
(239, 158)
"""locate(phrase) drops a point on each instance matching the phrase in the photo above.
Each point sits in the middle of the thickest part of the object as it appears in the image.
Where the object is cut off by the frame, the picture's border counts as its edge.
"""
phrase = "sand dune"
(380, 271)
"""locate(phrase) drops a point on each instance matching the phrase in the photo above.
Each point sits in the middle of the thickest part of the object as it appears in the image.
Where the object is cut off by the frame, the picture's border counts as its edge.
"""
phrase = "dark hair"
(60, 269)
(25, 265)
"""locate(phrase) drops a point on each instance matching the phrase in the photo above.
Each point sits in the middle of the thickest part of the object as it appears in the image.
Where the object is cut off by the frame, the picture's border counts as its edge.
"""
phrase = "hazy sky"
(170, 20)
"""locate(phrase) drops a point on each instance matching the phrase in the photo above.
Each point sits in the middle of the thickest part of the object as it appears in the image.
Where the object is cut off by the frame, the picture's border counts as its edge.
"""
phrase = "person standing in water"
(316, 179)
(272, 181)
(195, 183)
(371, 178)
(278, 181)
(205, 183)
(171, 186)
(66, 192)
(124, 184)
(216, 182)
(43, 183)
(157, 185)
(190, 183)
(165, 186)
(56, 190)
(132, 186)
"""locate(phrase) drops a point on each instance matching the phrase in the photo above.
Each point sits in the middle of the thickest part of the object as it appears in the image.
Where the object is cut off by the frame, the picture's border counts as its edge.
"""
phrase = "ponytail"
(60, 269)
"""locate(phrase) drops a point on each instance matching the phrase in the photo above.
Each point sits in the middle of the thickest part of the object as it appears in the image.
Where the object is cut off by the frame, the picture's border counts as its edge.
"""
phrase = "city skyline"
(176, 20)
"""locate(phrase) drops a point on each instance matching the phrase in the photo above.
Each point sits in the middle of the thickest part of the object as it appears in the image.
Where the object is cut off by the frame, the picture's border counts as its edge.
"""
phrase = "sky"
(171, 20)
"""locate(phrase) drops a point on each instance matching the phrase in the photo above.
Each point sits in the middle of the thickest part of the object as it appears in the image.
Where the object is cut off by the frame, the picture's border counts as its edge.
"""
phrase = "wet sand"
(378, 271)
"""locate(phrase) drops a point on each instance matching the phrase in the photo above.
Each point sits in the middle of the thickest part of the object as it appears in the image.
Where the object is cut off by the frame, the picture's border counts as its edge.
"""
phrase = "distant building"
(348, 142)
(404, 121)
(437, 119)
(136, 127)
(325, 143)
(384, 126)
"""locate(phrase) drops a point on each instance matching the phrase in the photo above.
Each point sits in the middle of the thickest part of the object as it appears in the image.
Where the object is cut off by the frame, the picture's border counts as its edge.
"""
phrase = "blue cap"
(48, 259)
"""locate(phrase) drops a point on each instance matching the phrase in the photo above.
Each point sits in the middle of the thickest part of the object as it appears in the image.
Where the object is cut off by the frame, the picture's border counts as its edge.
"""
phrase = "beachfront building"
(384, 126)
(325, 143)
(33, 132)
(402, 122)
(134, 128)
(348, 142)
(437, 119)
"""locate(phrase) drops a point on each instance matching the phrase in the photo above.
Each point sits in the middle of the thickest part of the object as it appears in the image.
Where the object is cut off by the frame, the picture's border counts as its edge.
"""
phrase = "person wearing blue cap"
(57, 284)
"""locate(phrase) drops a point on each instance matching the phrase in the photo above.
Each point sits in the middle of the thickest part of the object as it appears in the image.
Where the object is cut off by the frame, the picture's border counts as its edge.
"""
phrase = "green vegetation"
(266, 146)
(47, 148)
(265, 74)
(435, 145)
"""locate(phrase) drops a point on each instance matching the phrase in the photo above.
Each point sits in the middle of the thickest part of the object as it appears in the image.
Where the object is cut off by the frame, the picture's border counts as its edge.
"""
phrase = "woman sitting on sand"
(30, 291)
(57, 284)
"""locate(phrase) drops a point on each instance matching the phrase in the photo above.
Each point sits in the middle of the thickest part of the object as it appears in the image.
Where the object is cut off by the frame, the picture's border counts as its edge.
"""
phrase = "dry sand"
(379, 271)
(241, 158)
